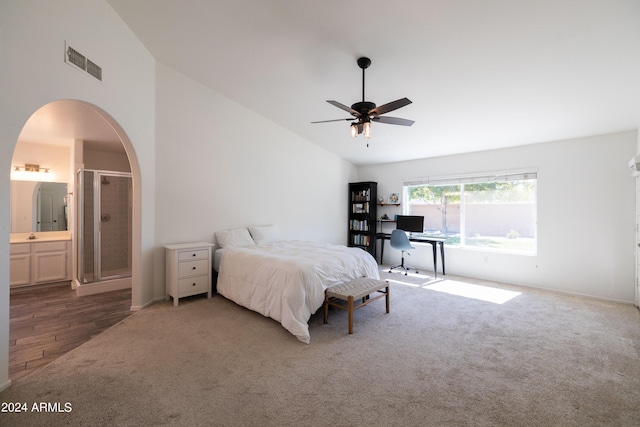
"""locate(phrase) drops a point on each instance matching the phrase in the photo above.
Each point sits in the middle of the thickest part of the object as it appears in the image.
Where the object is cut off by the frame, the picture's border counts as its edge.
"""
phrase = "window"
(496, 212)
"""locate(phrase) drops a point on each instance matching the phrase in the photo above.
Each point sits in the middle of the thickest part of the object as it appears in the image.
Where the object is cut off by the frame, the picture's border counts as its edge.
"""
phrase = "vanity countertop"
(48, 236)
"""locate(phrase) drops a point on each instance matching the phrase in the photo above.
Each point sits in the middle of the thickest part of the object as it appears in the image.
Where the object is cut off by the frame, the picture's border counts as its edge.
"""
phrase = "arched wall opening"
(78, 122)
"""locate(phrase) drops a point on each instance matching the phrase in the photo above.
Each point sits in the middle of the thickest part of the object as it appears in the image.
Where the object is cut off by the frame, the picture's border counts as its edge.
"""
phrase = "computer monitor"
(410, 223)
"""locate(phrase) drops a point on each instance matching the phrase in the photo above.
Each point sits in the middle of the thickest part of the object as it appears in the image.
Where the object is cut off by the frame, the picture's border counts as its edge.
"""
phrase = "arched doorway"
(60, 134)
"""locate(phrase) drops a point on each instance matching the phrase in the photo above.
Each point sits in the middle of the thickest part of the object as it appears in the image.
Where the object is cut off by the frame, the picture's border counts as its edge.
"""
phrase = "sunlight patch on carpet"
(411, 285)
(412, 280)
(468, 290)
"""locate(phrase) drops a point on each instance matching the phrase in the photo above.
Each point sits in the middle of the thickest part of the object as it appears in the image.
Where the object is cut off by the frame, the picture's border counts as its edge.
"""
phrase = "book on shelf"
(360, 208)
(361, 196)
(359, 225)
(361, 240)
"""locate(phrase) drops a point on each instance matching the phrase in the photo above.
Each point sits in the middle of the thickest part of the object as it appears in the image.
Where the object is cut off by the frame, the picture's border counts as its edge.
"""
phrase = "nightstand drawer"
(193, 268)
(193, 285)
(192, 255)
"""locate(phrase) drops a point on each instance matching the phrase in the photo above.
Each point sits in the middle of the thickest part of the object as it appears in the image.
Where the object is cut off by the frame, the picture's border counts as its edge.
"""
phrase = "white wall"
(105, 160)
(221, 166)
(585, 246)
(33, 73)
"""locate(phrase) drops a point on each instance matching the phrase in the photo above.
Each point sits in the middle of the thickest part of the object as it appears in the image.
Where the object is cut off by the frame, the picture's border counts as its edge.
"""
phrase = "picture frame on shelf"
(394, 198)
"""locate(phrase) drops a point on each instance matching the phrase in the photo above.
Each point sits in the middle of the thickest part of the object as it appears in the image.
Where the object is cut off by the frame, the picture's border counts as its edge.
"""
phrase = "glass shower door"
(115, 225)
(105, 223)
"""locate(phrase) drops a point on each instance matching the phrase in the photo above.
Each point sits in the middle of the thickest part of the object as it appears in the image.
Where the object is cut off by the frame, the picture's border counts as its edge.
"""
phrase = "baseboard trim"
(147, 304)
(5, 385)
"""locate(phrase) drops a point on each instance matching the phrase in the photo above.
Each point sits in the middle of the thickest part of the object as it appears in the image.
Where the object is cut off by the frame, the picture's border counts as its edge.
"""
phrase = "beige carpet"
(532, 358)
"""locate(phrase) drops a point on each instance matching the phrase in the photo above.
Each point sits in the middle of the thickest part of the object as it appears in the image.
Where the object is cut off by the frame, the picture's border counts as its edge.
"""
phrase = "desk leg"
(382, 252)
(435, 260)
(442, 256)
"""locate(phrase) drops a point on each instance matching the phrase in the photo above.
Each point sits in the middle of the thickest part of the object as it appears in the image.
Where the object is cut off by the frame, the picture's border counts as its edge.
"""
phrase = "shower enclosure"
(104, 225)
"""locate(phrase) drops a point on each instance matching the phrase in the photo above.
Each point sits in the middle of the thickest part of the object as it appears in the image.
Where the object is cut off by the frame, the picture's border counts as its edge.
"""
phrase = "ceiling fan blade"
(334, 120)
(394, 105)
(345, 108)
(393, 121)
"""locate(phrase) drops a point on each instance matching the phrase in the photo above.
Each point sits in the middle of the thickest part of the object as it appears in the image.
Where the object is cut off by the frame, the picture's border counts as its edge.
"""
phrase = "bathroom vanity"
(43, 259)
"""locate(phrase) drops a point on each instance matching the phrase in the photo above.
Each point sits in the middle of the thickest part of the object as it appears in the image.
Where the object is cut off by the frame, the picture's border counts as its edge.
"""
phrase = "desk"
(434, 241)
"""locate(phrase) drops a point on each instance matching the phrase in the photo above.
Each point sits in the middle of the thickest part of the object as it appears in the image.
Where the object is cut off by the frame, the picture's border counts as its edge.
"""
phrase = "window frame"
(477, 178)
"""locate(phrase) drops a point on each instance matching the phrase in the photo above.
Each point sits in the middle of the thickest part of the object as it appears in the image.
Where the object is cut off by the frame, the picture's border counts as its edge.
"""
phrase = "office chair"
(400, 241)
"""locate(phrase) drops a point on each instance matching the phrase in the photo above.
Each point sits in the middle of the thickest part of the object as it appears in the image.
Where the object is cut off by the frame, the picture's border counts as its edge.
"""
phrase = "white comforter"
(286, 280)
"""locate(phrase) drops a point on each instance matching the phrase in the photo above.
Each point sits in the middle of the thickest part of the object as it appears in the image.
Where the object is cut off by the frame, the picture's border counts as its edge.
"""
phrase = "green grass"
(521, 245)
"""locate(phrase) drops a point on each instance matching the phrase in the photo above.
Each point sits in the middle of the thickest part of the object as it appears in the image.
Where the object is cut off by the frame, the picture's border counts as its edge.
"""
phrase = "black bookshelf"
(363, 198)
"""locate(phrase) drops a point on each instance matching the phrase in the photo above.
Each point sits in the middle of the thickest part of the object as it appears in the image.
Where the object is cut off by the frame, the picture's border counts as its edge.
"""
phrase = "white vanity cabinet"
(188, 270)
(19, 264)
(41, 262)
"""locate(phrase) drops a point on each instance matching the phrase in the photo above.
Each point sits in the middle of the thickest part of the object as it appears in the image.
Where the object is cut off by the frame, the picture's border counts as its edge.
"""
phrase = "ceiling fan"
(365, 112)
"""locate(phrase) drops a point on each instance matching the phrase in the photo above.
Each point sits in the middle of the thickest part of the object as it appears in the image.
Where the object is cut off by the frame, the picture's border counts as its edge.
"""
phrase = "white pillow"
(234, 237)
(264, 234)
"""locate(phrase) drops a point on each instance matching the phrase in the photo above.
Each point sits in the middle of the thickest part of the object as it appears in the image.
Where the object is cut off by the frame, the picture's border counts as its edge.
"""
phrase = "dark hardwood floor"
(46, 322)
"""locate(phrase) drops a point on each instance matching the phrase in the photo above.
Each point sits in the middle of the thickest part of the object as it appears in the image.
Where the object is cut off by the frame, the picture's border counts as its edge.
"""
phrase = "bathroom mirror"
(38, 206)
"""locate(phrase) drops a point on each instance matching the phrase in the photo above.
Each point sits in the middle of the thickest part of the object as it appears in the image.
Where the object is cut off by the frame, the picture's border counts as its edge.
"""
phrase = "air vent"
(94, 69)
(74, 57)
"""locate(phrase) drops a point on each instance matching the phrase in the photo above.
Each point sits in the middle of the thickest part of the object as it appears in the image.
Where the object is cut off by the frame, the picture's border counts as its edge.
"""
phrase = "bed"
(286, 280)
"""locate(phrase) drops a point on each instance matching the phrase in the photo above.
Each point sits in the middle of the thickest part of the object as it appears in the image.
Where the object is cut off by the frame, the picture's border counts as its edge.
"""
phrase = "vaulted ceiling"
(481, 74)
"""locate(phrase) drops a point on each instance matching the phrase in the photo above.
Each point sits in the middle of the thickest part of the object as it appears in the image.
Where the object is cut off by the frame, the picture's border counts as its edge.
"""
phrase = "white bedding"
(286, 280)
(217, 258)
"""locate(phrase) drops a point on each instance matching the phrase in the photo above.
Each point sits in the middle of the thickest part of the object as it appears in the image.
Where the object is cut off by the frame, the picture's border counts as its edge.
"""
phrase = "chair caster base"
(406, 270)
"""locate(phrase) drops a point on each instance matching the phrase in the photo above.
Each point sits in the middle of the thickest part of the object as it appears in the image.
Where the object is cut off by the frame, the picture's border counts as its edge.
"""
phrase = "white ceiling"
(481, 74)
(62, 122)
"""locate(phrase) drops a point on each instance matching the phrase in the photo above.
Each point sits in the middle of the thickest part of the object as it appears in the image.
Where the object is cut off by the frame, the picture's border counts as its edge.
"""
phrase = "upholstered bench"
(350, 291)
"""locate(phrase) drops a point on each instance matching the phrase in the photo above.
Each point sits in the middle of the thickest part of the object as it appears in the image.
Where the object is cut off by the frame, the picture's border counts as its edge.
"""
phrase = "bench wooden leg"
(350, 311)
(387, 297)
(326, 308)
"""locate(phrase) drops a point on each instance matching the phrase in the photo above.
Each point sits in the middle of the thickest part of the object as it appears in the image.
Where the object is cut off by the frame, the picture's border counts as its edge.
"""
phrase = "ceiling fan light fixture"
(354, 130)
(366, 130)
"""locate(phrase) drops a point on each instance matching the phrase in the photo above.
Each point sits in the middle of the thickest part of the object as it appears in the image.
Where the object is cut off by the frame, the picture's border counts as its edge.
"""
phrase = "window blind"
(502, 176)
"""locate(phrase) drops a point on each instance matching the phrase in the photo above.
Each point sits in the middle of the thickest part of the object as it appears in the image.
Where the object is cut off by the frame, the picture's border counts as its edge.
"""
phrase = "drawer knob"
(194, 268)
(193, 284)
(193, 255)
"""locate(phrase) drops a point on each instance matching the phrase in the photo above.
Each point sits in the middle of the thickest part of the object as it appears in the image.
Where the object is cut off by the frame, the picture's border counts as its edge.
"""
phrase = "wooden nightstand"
(188, 270)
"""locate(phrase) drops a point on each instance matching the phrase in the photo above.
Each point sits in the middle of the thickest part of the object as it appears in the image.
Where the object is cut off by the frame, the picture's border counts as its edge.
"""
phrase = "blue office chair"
(400, 241)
